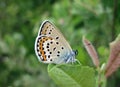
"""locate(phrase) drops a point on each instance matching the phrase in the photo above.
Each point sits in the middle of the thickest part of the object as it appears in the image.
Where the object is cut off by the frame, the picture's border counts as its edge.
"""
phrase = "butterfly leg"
(68, 60)
(76, 60)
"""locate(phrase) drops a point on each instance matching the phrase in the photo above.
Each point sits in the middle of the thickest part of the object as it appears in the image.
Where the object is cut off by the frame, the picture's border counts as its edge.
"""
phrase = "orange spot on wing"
(42, 41)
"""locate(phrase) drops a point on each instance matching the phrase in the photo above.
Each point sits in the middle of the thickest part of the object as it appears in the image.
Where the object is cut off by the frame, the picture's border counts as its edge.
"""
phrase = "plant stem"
(101, 78)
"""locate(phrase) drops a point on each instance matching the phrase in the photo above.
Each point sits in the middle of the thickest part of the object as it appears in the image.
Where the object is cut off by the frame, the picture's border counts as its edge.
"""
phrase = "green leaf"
(72, 75)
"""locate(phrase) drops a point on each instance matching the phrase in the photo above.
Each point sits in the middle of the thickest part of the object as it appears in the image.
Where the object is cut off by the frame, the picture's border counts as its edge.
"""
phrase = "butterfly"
(51, 46)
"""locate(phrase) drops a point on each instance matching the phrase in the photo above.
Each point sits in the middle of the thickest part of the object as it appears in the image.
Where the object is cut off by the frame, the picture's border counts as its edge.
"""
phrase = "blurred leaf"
(114, 58)
(91, 51)
(72, 75)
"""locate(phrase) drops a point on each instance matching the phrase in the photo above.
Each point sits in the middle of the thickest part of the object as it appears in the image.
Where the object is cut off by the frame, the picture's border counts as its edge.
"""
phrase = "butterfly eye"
(76, 52)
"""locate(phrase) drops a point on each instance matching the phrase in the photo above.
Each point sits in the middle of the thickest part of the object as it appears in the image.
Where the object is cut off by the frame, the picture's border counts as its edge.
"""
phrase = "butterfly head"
(76, 52)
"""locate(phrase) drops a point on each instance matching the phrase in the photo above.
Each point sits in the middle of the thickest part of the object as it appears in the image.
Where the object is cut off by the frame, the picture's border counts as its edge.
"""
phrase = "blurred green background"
(98, 20)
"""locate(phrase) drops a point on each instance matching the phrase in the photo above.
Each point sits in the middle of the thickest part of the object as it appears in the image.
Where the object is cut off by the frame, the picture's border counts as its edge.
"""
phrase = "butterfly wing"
(48, 29)
(50, 45)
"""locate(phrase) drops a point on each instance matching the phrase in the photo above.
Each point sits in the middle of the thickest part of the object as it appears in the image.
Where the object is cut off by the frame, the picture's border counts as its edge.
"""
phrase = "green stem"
(101, 79)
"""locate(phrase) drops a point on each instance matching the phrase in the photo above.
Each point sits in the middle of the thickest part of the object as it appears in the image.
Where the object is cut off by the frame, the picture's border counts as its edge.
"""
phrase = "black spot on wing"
(47, 46)
(57, 42)
(58, 55)
(48, 56)
(62, 47)
(50, 59)
(57, 38)
(54, 48)
(58, 52)
(51, 42)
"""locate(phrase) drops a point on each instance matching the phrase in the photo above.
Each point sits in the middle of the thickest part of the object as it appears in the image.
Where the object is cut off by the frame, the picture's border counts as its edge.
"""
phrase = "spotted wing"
(50, 45)
(48, 50)
(48, 29)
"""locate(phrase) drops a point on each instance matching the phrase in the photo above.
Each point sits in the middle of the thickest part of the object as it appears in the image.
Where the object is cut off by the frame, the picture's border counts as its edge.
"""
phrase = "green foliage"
(72, 75)
(19, 25)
